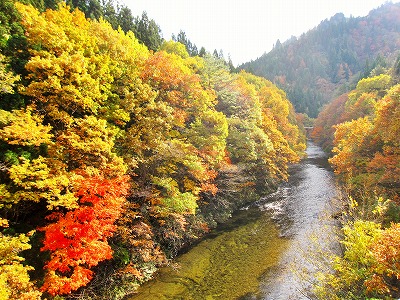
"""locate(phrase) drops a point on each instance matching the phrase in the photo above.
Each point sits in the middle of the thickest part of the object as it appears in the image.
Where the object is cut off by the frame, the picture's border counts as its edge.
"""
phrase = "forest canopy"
(114, 154)
(362, 129)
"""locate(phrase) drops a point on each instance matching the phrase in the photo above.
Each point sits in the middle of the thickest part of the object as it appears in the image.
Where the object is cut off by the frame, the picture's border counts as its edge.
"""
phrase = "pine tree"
(148, 32)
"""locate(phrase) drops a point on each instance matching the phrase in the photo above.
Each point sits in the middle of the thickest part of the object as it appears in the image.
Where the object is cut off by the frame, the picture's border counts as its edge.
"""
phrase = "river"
(266, 250)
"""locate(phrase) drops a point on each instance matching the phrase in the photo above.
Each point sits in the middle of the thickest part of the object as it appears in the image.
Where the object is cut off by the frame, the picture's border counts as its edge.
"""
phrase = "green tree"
(109, 12)
(125, 19)
(182, 38)
(7, 79)
(148, 32)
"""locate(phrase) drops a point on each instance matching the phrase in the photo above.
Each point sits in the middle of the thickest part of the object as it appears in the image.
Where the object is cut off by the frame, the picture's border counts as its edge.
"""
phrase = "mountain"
(329, 59)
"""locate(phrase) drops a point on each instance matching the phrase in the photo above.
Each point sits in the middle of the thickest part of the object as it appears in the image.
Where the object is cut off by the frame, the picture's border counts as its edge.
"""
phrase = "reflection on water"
(304, 212)
(256, 255)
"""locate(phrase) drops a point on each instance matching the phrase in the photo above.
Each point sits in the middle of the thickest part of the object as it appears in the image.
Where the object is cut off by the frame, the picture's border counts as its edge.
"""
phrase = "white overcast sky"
(244, 29)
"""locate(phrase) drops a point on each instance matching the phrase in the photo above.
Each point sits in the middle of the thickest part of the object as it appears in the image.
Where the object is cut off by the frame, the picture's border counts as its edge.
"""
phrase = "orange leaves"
(371, 260)
(386, 252)
(61, 285)
(77, 240)
(367, 158)
(179, 137)
(166, 72)
(103, 106)
(368, 147)
(388, 116)
(385, 166)
(369, 266)
(324, 125)
(138, 238)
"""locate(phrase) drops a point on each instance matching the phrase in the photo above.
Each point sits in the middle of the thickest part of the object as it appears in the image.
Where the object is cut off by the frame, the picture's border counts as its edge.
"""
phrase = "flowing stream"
(265, 251)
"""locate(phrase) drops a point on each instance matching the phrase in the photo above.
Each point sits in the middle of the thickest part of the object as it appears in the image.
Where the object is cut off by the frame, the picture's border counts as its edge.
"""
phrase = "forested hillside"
(114, 155)
(362, 129)
(328, 60)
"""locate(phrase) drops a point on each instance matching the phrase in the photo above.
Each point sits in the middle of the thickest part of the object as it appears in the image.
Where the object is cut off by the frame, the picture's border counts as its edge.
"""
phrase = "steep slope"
(329, 59)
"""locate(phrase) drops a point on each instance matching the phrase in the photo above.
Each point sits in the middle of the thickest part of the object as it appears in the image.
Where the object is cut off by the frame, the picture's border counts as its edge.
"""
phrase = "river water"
(266, 251)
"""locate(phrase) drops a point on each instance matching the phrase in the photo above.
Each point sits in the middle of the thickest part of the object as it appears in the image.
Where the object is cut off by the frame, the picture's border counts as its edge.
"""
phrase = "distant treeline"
(330, 59)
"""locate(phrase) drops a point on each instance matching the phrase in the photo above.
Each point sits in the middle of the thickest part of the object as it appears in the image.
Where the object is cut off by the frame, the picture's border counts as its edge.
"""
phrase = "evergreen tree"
(183, 39)
(91, 8)
(148, 32)
(215, 53)
(230, 64)
(9, 22)
(125, 19)
(52, 4)
(110, 12)
(94, 9)
(202, 52)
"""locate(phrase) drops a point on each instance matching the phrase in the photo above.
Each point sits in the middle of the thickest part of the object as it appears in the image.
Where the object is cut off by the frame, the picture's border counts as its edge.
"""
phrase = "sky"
(244, 30)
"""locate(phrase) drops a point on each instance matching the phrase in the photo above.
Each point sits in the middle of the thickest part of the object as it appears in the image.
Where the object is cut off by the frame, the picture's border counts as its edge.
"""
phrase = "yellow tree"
(385, 164)
(181, 134)
(14, 278)
(278, 122)
(350, 139)
(77, 113)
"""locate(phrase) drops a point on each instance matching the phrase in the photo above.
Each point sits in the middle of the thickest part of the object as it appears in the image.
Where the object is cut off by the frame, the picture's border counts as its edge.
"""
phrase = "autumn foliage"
(116, 154)
(77, 240)
(363, 130)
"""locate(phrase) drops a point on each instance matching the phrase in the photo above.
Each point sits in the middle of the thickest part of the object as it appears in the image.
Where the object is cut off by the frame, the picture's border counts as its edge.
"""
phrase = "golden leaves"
(25, 128)
(104, 106)
(14, 278)
(36, 180)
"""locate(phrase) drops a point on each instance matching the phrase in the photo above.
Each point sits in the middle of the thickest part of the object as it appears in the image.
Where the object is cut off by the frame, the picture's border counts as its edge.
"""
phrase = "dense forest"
(118, 148)
(362, 129)
(329, 60)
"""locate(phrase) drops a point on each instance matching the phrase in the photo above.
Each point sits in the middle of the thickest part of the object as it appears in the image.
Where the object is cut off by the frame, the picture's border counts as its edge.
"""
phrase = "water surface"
(262, 250)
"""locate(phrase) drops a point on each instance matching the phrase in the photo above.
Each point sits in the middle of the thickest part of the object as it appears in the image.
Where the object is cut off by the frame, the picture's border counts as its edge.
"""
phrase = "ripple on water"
(228, 266)
(257, 256)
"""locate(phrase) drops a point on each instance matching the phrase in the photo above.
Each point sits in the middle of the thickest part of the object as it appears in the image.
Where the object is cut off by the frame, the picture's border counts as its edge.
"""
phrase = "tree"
(91, 8)
(351, 270)
(148, 32)
(182, 38)
(350, 139)
(175, 48)
(78, 174)
(121, 147)
(369, 266)
(52, 4)
(7, 79)
(385, 165)
(77, 240)
(14, 278)
(386, 267)
(125, 19)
